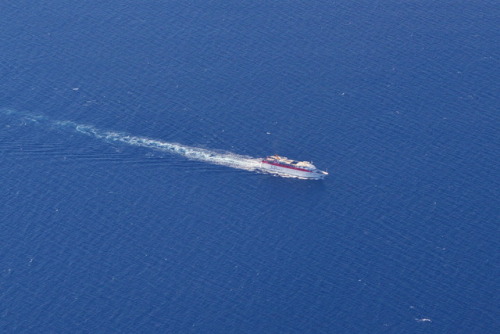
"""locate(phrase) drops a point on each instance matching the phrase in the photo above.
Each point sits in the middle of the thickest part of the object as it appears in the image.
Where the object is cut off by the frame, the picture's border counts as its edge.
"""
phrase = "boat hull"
(292, 172)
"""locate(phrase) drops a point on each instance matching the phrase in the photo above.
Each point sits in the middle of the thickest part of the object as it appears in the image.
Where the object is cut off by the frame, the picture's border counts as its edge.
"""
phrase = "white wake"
(215, 157)
(193, 153)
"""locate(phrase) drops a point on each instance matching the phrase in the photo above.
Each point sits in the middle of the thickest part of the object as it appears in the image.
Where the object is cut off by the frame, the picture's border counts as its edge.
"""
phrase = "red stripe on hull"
(302, 170)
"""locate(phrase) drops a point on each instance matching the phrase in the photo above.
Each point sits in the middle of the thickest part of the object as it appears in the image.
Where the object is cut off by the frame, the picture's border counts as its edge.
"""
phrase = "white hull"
(284, 171)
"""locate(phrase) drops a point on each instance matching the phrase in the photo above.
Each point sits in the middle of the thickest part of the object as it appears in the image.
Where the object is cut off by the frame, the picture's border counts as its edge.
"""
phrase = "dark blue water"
(397, 99)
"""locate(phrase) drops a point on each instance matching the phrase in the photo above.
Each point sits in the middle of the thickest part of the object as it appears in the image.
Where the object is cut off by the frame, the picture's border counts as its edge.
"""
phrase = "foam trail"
(193, 153)
(222, 158)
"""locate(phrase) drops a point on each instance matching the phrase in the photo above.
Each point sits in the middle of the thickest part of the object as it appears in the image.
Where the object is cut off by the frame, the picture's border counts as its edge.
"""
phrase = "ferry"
(282, 165)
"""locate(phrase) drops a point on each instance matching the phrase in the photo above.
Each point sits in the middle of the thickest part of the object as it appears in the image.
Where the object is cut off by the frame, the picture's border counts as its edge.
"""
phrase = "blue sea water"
(398, 100)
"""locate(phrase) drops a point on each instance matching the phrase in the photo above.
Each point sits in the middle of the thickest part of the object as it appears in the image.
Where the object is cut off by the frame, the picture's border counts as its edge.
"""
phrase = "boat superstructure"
(283, 165)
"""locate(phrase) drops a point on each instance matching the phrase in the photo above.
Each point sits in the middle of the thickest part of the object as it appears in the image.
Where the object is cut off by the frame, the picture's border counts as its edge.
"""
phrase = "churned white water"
(216, 157)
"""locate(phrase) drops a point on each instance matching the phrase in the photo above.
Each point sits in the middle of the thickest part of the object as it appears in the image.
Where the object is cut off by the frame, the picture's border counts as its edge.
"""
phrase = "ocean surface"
(129, 197)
